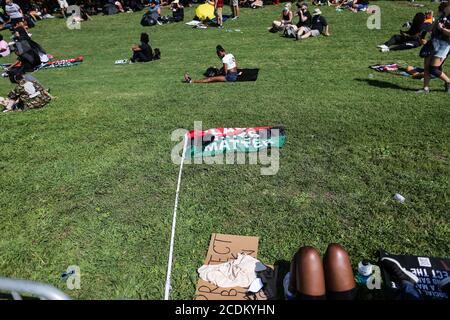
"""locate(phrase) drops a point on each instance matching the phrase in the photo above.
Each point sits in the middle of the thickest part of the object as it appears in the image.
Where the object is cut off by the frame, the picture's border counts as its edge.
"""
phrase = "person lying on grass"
(229, 67)
(286, 19)
(410, 39)
(142, 52)
(319, 26)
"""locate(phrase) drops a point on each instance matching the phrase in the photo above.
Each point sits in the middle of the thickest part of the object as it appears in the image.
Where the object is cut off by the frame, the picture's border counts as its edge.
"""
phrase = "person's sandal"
(187, 78)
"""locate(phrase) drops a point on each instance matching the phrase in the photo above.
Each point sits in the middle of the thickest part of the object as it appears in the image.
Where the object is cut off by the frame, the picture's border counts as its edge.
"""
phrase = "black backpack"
(156, 54)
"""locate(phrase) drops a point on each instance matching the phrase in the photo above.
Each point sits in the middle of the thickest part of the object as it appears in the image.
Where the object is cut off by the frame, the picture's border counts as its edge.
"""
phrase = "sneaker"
(187, 78)
(397, 272)
(220, 27)
(384, 49)
(447, 87)
(234, 18)
(159, 22)
(424, 90)
(381, 46)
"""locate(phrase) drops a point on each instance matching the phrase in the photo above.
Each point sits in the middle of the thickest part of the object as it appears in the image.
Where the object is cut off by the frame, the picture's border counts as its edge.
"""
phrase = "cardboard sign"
(223, 248)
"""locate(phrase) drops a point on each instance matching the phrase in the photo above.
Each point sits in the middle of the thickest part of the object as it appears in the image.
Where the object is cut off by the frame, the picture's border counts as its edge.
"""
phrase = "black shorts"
(15, 20)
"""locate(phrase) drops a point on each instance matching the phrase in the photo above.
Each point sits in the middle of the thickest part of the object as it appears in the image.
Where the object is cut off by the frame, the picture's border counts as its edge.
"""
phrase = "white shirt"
(13, 11)
(230, 61)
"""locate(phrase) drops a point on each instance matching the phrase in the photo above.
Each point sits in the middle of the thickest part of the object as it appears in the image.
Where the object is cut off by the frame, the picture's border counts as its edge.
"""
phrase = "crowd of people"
(426, 30)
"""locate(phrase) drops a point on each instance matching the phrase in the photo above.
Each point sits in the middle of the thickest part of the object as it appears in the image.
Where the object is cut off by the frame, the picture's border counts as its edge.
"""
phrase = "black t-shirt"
(307, 22)
(146, 51)
(318, 23)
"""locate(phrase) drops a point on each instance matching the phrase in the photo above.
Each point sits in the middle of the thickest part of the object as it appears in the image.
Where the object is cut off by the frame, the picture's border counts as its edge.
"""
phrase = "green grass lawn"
(88, 180)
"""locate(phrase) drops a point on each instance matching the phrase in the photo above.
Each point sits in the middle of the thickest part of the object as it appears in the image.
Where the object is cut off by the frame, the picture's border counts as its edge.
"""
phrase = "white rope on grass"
(174, 223)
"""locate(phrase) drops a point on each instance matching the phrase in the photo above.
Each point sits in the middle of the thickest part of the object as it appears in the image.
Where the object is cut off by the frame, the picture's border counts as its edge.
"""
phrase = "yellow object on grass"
(205, 12)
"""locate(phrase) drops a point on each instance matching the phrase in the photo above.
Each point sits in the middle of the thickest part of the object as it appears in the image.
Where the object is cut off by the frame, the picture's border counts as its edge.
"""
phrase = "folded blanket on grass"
(247, 74)
(243, 74)
(62, 63)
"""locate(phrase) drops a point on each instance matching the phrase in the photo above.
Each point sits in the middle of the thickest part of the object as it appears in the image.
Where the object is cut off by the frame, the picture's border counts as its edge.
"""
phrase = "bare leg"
(436, 62)
(338, 270)
(426, 74)
(307, 276)
(306, 35)
(211, 79)
(276, 24)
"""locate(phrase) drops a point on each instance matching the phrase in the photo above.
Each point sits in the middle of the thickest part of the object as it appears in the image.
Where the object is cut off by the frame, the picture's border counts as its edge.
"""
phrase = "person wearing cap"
(229, 69)
(319, 26)
(177, 11)
(286, 19)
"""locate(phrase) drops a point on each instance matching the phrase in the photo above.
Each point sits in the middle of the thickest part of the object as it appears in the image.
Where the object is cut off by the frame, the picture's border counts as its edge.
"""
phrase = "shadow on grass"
(384, 84)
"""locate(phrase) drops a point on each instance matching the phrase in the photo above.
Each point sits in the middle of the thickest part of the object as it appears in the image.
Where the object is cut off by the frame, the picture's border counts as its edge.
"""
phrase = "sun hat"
(316, 12)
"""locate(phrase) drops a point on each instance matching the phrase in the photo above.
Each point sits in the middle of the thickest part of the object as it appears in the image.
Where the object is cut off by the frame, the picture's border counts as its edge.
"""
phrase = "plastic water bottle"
(365, 270)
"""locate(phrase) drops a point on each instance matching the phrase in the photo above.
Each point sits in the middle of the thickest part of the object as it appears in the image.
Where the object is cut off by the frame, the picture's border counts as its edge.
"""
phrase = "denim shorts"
(231, 76)
(441, 48)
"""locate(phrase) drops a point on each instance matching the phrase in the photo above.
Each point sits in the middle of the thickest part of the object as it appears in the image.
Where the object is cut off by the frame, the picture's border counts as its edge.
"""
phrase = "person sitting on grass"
(319, 26)
(26, 95)
(177, 11)
(14, 12)
(4, 47)
(304, 21)
(359, 5)
(286, 19)
(254, 4)
(410, 39)
(142, 52)
(229, 69)
(314, 278)
(154, 12)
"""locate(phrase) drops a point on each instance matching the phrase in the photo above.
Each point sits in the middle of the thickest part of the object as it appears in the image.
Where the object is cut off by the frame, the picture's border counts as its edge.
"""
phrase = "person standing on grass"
(235, 8)
(218, 5)
(229, 67)
(440, 39)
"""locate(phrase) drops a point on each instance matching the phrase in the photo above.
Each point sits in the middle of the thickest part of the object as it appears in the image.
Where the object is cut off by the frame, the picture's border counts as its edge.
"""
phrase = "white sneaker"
(381, 46)
(385, 49)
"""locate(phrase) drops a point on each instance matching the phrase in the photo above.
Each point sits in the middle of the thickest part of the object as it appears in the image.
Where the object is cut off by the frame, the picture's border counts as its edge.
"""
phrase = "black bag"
(147, 20)
(156, 54)
(427, 50)
(211, 72)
